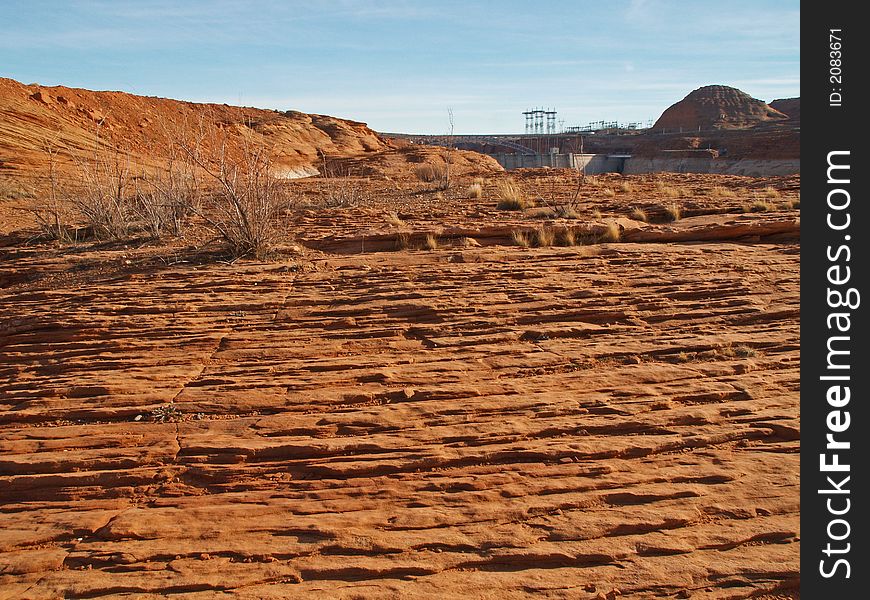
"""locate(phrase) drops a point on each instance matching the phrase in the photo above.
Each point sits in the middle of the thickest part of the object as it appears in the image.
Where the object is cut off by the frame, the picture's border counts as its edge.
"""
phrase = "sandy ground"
(361, 419)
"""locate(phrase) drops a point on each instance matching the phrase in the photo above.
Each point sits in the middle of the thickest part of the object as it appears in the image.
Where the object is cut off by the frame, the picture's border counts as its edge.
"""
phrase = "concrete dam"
(614, 154)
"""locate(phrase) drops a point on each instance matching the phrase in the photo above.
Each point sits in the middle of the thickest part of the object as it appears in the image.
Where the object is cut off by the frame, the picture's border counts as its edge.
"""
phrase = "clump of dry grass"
(722, 192)
(544, 236)
(673, 212)
(431, 242)
(592, 181)
(566, 237)
(426, 172)
(668, 191)
(731, 351)
(511, 197)
(770, 192)
(403, 241)
(626, 187)
(638, 214)
(596, 214)
(759, 206)
(566, 212)
(521, 238)
(393, 219)
(611, 233)
(474, 191)
(608, 192)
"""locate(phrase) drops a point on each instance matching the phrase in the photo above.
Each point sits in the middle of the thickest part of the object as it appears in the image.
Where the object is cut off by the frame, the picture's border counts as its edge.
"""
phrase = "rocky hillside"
(788, 106)
(717, 107)
(74, 121)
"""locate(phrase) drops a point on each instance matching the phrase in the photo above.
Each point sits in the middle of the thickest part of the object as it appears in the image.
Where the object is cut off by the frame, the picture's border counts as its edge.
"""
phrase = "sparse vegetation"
(673, 212)
(596, 214)
(566, 237)
(168, 413)
(544, 236)
(722, 192)
(511, 197)
(439, 175)
(403, 241)
(394, 220)
(474, 191)
(744, 351)
(608, 192)
(611, 233)
(770, 192)
(566, 212)
(626, 187)
(668, 191)
(521, 238)
(638, 214)
(426, 172)
(759, 206)
(431, 242)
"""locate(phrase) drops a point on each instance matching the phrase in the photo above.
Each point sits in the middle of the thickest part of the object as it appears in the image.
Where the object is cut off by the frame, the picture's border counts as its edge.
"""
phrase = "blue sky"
(399, 65)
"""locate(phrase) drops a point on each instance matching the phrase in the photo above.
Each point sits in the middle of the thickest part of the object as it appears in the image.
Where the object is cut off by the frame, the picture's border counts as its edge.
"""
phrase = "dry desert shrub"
(165, 201)
(722, 192)
(668, 191)
(403, 241)
(597, 214)
(544, 237)
(638, 214)
(566, 212)
(425, 172)
(437, 175)
(245, 196)
(608, 192)
(102, 194)
(394, 220)
(511, 197)
(770, 192)
(626, 187)
(520, 238)
(566, 237)
(52, 213)
(673, 212)
(759, 206)
(475, 191)
(341, 191)
(431, 242)
(611, 233)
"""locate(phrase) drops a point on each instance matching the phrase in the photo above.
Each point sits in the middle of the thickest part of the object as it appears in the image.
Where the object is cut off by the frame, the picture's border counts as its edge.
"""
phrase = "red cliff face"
(71, 121)
(717, 107)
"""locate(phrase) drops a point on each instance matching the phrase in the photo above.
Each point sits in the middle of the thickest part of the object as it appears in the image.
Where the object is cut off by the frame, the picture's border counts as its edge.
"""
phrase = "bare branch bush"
(168, 198)
(245, 197)
(102, 194)
(341, 191)
(51, 212)
(565, 208)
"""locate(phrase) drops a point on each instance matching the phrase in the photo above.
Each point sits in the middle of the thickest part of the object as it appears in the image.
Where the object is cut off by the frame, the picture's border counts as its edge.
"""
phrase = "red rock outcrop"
(75, 121)
(716, 107)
